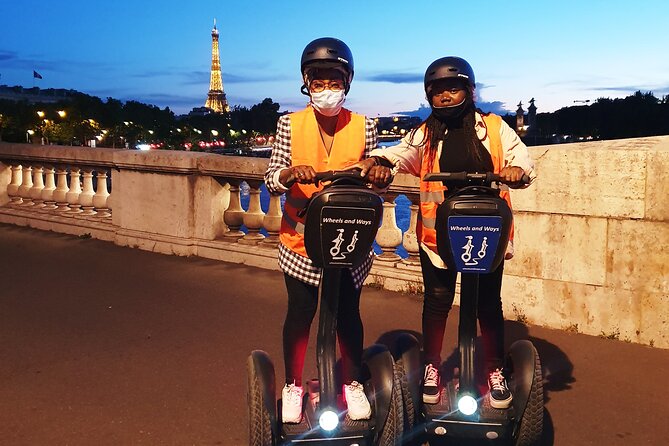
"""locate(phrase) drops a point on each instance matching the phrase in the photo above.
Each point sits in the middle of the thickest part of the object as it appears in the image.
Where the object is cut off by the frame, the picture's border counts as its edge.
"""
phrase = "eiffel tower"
(216, 96)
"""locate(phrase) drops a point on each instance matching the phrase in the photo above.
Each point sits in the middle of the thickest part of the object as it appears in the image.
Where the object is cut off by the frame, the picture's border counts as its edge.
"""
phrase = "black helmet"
(328, 52)
(449, 67)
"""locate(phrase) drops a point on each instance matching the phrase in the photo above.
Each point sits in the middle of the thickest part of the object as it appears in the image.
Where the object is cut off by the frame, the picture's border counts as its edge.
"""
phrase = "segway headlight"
(467, 404)
(328, 420)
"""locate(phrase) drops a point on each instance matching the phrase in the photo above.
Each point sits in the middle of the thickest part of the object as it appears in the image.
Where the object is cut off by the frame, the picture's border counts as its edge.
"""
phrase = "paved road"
(103, 345)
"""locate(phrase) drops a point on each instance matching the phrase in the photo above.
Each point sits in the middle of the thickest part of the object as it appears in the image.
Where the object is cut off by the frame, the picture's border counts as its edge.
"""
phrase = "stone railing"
(590, 234)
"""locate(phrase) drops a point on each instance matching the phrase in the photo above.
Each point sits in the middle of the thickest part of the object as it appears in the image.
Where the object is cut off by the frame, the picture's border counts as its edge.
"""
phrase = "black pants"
(302, 305)
(439, 294)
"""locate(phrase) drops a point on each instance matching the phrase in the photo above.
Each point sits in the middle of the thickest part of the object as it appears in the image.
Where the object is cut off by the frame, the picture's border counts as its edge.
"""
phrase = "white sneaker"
(291, 403)
(431, 385)
(356, 400)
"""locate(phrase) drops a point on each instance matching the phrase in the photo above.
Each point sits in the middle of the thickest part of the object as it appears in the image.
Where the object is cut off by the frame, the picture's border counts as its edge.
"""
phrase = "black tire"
(531, 425)
(393, 428)
(407, 398)
(260, 422)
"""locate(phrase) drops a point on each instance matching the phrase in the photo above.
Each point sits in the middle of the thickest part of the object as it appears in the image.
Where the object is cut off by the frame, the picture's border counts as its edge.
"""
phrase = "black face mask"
(452, 113)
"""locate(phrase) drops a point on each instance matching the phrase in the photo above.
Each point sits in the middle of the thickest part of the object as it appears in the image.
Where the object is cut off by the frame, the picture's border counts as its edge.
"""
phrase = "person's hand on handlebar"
(377, 174)
(297, 174)
(512, 175)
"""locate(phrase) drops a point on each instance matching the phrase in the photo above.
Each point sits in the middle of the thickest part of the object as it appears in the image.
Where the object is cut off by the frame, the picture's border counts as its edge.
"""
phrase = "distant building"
(200, 111)
(35, 95)
(526, 123)
(216, 100)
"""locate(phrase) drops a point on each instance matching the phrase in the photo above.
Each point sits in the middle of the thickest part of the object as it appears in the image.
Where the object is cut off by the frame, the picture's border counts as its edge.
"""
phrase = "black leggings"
(302, 305)
(439, 293)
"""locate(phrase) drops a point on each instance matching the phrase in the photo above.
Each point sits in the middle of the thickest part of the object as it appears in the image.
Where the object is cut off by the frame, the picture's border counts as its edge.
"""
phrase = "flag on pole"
(36, 75)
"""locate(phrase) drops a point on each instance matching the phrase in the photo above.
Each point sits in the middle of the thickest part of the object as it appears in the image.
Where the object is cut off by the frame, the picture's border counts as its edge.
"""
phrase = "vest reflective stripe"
(432, 193)
(348, 147)
(434, 196)
(429, 223)
(296, 225)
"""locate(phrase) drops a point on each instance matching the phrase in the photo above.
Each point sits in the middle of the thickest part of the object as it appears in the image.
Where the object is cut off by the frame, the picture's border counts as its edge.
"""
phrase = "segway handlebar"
(486, 178)
(334, 176)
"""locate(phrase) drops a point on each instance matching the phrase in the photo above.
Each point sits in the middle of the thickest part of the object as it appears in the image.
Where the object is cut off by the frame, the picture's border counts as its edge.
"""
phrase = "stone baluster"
(72, 195)
(234, 214)
(38, 186)
(253, 217)
(101, 197)
(272, 221)
(410, 238)
(13, 186)
(49, 188)
(26, 185)
(86, 196)
(60, 193)
(389, 236)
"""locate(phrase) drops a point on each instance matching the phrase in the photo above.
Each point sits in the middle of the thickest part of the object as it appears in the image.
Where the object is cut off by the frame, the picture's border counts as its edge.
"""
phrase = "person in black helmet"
(323, 136)
(457, 137)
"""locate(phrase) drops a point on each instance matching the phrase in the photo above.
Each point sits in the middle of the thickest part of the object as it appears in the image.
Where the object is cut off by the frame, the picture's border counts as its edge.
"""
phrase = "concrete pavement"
(106, 345)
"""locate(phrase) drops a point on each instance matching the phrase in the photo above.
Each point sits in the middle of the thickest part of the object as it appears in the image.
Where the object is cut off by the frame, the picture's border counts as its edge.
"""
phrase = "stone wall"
(591, 234)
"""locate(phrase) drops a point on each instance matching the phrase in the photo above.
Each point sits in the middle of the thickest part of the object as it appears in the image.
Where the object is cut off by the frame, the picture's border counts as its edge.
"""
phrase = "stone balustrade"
(591, 234)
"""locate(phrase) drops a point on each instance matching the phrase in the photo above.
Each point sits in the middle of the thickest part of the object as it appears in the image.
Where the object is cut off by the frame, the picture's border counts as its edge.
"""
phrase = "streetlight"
(62, 113)
(40, 113)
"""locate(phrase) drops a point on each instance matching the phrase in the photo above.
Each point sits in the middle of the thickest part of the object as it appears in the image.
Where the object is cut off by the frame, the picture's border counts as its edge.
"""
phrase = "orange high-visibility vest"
(432, 192)
(307, 148)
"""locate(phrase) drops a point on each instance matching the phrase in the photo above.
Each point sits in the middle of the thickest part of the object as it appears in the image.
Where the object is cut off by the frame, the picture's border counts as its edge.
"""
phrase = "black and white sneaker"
(431, 385)
(500, 395)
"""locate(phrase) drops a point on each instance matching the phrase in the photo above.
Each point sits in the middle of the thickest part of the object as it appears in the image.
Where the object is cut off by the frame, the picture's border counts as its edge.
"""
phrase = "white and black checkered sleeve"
(371, 137)
(281, 155)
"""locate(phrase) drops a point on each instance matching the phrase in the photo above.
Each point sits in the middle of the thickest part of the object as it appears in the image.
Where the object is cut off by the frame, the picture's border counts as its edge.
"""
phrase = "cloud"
(495, 107)
(395, 78)
(202, 77)
(423, 111)
(155, 73)
(13, 60)
(7, 55)
(633, 88)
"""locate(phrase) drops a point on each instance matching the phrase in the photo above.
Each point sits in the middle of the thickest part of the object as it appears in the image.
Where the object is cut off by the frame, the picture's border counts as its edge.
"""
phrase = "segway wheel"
(407, 358)
(407, 397)
(393, 428)
(260, 420)
(530, 425)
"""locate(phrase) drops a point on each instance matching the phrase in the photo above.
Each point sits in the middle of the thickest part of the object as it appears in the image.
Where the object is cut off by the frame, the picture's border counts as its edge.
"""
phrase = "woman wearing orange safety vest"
(457, 137)
(323, 136)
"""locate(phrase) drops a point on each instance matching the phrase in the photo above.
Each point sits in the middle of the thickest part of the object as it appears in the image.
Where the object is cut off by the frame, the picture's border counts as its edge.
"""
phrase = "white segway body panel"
(341, 224)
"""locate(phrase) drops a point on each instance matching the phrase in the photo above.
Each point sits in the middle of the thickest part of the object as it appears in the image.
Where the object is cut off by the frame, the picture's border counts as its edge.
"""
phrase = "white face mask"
(328, 102)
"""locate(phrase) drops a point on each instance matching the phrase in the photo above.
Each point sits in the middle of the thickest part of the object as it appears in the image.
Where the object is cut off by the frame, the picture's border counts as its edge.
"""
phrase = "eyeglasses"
(318, 86)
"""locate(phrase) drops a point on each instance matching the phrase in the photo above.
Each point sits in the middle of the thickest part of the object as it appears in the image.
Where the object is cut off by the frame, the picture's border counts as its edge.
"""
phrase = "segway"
(340, 226)
(473, 225)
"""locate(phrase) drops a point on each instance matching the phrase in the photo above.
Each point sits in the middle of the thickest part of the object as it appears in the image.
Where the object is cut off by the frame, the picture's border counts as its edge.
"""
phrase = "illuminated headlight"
(467, 404)
(328, 420)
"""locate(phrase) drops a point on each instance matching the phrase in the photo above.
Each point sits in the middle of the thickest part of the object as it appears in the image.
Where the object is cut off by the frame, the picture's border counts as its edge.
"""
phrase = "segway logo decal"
(347, 233)
(335, 251)
(474, 242)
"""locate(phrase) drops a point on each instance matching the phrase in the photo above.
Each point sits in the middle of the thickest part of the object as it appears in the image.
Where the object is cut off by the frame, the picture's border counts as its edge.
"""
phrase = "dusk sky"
(159, 52)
